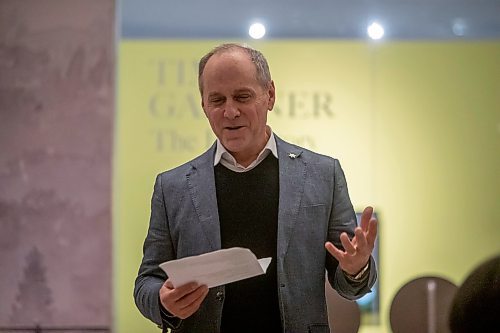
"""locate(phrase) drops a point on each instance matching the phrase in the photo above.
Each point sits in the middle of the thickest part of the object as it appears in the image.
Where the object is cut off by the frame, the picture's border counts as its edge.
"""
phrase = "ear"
(272, 96)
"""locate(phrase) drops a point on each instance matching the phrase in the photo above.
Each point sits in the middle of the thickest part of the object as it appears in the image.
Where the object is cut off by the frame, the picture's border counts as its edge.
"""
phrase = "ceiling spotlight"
(257, 31)
(375, 31)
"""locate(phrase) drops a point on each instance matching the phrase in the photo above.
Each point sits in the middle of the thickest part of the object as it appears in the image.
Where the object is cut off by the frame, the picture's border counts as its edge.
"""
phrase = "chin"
(234, 146)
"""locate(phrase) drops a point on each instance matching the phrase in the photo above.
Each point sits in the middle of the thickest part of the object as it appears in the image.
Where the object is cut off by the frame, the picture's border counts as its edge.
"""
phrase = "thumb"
(169, 284)
(332, 249)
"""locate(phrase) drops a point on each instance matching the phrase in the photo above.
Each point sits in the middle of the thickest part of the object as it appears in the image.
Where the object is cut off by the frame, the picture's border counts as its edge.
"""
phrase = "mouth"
(233, 128)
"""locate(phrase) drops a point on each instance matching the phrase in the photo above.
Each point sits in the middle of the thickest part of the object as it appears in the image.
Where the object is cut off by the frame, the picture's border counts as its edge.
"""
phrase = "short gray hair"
(258, 59)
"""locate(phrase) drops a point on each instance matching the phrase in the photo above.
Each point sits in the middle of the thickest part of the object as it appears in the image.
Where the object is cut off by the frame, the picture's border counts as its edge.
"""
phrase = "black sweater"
(248, 213)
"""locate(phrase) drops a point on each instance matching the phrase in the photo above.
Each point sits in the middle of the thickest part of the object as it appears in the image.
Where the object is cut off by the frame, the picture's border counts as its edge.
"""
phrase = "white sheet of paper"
(216, 268)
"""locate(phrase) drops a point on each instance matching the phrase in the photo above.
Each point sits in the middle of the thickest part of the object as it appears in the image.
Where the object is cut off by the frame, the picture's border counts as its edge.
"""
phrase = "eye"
(243, 97)
(216, 100)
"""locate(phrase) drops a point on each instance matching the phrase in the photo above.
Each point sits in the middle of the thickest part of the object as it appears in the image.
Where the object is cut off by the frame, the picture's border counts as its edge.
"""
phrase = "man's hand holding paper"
(190, 278)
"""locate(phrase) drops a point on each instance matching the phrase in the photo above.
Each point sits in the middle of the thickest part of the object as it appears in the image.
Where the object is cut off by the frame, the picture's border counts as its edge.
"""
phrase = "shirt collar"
(225, 158)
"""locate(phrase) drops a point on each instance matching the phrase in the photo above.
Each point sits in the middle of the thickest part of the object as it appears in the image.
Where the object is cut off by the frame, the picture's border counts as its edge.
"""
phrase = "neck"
(245, 159)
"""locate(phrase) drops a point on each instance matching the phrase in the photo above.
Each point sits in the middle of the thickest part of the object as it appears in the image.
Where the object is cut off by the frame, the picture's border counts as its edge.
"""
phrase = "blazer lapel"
(201, 183)
(292, 172)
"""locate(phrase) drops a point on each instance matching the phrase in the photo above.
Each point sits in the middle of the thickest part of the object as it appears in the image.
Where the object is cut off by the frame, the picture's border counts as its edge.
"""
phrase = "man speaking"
(251, 189)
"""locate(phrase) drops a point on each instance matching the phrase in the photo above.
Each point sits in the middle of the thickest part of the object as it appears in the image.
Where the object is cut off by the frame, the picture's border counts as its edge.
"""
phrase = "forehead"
(233, 68)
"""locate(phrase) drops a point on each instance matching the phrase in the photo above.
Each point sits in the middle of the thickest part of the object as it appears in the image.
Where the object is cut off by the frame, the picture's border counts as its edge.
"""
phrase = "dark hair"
(476, 305)
(260, 62)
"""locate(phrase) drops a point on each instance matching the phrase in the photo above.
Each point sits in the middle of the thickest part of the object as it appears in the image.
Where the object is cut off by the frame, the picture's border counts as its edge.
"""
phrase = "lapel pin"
(292, 156)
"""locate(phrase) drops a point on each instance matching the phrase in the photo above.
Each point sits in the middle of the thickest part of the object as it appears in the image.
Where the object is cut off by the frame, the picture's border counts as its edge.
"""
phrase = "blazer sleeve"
(157, 249)
(343, 219)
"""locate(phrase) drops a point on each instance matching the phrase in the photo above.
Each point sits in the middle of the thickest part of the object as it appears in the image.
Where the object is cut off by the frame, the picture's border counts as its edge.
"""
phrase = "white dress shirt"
(226, 159)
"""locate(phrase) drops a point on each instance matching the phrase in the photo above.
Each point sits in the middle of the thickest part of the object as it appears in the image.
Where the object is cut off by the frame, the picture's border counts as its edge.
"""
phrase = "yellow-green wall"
(416, 126)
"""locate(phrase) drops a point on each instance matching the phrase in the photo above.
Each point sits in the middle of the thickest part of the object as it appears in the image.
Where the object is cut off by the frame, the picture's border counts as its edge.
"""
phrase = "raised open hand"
(358, 250)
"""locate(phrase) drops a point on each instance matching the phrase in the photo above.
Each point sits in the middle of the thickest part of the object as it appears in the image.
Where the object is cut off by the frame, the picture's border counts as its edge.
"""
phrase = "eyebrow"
(214, 94)
(243, 90)
(236, 92)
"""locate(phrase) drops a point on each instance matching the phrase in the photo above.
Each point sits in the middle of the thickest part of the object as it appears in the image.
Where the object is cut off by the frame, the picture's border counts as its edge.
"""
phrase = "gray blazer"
(314, 207)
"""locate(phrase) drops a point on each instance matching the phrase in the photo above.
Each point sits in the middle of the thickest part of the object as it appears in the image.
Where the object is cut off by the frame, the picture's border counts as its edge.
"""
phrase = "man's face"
(236, 104)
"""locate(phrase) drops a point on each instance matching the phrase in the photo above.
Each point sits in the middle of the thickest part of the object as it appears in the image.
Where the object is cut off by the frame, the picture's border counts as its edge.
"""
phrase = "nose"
(231, 111)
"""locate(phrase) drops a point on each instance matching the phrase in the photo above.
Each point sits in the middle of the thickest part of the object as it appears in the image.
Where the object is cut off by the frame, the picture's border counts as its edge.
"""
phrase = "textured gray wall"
(56, 125)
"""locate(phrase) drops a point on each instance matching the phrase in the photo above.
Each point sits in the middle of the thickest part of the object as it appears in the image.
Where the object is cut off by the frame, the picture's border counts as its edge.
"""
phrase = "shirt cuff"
(168, 319)
(360, 277)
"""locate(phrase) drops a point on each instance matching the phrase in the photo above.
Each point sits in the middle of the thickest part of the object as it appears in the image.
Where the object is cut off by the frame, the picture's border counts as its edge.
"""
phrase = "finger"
(346, 243)
(365, 217)
(361, 243)
(372, 232)
(169, 284)
(175, 305)
(189, 299)
(194, 306)
(181, 291)
(334, 251)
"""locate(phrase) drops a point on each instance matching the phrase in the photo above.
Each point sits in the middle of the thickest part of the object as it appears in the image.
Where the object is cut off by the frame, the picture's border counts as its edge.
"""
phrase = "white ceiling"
(223, 19)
